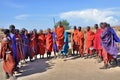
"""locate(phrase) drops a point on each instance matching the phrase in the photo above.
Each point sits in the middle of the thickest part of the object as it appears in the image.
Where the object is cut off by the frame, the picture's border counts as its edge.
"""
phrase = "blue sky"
(39, 13)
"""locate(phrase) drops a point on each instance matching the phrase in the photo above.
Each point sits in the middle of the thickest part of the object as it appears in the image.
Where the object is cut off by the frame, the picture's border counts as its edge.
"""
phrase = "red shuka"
(8, 58)
(89, 39)
(60, 37)
(34, 45)
(81, 42)
(75, 40)
(97, 44)
(19, 47)
(49, 42)
(41, 40)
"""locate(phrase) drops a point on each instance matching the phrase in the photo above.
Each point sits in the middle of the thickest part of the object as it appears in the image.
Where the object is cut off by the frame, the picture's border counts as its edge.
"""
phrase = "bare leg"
(6, 75)
(55, 55)
(59, 53)
(116, 61)
(43, 56)
(12, 77)
(73, 52)
(40, 56)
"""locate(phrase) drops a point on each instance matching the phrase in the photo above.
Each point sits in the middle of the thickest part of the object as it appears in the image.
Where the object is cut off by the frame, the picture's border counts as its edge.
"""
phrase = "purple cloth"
(14, 47)
(54, 42)
(116, 38)
(25, 46)
(108, 42)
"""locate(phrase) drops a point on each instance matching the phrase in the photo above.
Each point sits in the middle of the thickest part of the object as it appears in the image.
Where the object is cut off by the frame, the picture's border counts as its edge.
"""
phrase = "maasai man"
(6, 54)
(97, 45)
(14, 46)
(49, 42)
(75, 40)
(96, 39)
(19, 44)
(110, 49)
(41, 40)
(60, 36)
(55, 48)
(65, 46)
(22, 33)
(28, 34)
(81, 41)
(25, 44)
(34, 41)
(116, 38)
(32, 52)
(89, 42)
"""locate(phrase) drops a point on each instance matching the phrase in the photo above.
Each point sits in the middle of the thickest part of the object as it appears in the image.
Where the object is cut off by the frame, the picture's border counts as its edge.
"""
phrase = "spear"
(54, 21)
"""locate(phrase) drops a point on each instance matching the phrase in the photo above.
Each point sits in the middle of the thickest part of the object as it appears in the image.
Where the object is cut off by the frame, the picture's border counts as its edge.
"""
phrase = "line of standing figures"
(19, 45)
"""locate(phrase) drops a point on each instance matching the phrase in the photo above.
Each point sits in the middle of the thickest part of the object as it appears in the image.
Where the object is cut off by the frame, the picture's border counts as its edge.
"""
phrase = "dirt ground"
(72, 68)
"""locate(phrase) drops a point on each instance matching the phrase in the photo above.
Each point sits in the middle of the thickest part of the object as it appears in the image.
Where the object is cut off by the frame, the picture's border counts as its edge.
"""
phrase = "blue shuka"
(14, 47)
(65, 46)
(108, 42)
(54, 42)
(116, 38)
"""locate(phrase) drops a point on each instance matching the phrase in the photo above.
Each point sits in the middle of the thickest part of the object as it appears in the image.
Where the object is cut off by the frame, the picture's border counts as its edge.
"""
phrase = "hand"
(17, 38)
(8, 52)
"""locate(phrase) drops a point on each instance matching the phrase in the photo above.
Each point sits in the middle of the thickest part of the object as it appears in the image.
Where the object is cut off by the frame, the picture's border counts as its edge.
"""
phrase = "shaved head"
(75, 27)
(96, 26)
(88, 28)
(79, 28)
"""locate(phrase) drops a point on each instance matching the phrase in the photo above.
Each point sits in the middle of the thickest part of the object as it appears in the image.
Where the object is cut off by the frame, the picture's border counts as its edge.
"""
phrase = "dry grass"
(117, 29)
(1, 33)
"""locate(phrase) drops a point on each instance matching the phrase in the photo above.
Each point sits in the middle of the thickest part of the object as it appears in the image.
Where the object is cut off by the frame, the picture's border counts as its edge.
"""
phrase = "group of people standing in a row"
(103, 42)
(19, 45)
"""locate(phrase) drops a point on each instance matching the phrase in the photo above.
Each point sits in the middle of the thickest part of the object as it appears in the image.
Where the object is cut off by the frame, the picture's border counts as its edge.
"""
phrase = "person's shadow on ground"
(38, 66)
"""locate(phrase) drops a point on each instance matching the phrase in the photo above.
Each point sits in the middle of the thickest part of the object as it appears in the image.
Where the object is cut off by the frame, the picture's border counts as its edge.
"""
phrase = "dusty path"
(71, 69)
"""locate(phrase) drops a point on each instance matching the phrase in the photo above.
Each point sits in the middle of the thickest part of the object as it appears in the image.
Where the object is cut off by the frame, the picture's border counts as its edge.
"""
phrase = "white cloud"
(92, 16)
(22, 17)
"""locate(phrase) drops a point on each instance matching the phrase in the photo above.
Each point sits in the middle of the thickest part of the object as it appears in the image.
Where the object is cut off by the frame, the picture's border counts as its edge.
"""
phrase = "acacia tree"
(65, 23)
